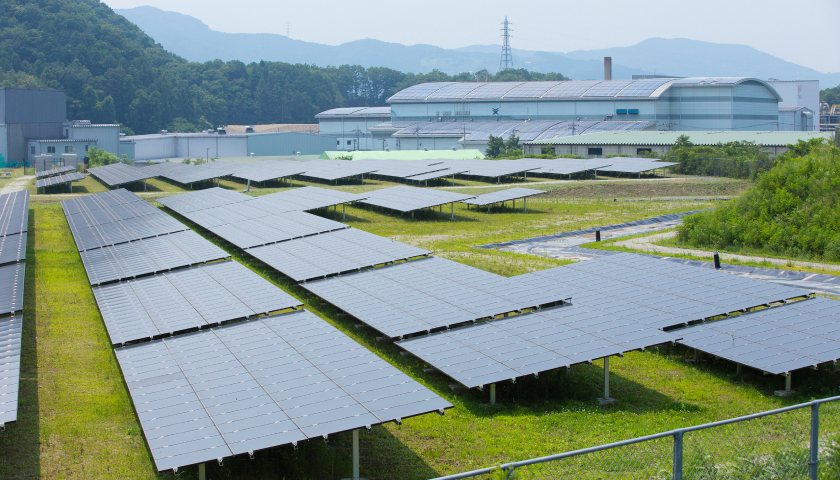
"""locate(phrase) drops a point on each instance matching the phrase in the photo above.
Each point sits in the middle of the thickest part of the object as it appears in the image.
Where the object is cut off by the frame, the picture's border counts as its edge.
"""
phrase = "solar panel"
(269, 170)
(109, 214)
(99, 201)
(333, 253)
(490, 168)
(418, 92)
(424, 295)
(185, 299)
(330, 170)
(571, 89)
(148, 256)
(58, 180)
(528, 344)
(777, 340)
(401, 168)
(200, 173)
(122, 231)
(11, 329)
(202, 199)
(675, 294)
(268, 228)
(617, 126)
(530, 90)
(607, 88)
(407, 199)
(503, 196)
(633, 165)
(565, 166)
(14, 212)
(492, 90)
(302, 199)
(54, 171)
(438, 174)
(11, 288)
(12, 248)
(259, 384)
(643, 88)
(120, 174)
(454, 91)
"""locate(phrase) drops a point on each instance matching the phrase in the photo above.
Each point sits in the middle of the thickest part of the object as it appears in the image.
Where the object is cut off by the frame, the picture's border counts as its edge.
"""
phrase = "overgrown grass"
(77, 420)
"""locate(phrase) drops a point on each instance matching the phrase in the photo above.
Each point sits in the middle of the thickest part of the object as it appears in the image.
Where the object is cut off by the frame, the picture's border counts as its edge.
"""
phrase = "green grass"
(77, 420)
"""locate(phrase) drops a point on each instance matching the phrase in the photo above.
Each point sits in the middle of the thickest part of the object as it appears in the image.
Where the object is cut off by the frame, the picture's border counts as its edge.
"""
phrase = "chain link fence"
(797, 442)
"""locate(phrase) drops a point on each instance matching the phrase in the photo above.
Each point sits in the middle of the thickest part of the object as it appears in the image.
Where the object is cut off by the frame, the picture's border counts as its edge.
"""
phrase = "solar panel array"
(269, 170)
(673, 294)
(268, 229)
(427, 294)
(407, 199)
(121, 174)
(402, 169)
(303, 199)
(259, 384)
(503, 196)
(633, 165)
(54, 171)
(528, 344)
(14, 221)
(448, 172)
(148, 256)
(58, 180)
(335, 253)
(200, 173)
(777, 340)
(565, 166)
(186, 299)
(489, 168)
(330, 170)
(203, 199)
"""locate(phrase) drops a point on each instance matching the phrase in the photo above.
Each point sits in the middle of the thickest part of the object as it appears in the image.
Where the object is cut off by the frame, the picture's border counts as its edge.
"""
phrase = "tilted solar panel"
(503, 196)
(11, 330)
(14, 212)
(58, 180)
(11, 288)
(406, 199)
(12, 248)
(259, 384)
(185, 299)
(120, 173)
(54, 171)
(202, 199)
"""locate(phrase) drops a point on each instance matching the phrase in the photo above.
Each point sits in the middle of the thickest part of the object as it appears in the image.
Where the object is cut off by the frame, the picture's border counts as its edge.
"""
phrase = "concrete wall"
(37, 148)
(631, 150)
(4, 139)
(127, 149)
(20, 133)
(289, 143)
(343, 129)
(107, 136)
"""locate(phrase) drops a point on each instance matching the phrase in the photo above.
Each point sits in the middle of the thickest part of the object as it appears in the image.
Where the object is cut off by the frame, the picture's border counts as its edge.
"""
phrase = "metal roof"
(670, 137)
(519, 91)
(356, 111)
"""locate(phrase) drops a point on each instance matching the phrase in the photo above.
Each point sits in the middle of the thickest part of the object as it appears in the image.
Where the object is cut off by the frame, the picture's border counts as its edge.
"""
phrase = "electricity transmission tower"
(506, 62)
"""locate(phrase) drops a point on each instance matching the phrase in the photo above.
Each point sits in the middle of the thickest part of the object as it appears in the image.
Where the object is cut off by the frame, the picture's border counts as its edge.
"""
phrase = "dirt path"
(20, 183)
(646, 244)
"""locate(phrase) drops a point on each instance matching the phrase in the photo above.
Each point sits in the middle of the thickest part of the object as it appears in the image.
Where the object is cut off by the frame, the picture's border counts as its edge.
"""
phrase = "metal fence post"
(813, 465)
(678, 455)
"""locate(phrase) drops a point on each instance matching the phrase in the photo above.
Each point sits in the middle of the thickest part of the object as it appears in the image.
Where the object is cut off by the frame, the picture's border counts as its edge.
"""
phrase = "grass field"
(77, 420)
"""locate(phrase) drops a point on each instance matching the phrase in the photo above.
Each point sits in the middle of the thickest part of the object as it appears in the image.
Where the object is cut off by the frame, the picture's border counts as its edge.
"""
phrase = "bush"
(793, 210)
(98, 157)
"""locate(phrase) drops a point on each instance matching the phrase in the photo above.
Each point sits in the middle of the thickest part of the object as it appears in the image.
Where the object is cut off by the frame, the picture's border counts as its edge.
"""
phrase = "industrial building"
(659, 142)
(27, 114)
(795, 94)
(220, 144)
(351, 126)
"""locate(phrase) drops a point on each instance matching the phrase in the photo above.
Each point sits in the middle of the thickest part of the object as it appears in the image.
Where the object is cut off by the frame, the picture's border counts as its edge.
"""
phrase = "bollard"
(717, 260)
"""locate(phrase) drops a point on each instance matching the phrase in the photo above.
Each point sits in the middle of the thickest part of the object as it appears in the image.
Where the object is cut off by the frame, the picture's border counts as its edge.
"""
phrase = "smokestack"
(607, 68)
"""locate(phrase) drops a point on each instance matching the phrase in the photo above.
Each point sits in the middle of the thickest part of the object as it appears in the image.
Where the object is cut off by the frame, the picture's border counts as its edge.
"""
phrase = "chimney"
(607, 68)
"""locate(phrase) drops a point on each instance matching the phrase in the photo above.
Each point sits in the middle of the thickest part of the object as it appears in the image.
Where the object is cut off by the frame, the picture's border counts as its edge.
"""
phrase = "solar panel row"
(503, 196)
(54, 171)
(269, 170)
(14, 220)
(58, 180)
(407, 199)
(148, 256)
(427, 294)
(259, 384)
(268, 229)
(186, 299)
(334, 253)
(633, 165)
(119, 174)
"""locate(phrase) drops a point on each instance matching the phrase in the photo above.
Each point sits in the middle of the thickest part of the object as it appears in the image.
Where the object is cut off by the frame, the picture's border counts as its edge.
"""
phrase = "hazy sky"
(800, 31)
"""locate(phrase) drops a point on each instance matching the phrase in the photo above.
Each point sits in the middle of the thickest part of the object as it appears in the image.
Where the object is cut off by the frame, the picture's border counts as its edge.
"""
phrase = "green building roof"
(464, 154)
(770, 139)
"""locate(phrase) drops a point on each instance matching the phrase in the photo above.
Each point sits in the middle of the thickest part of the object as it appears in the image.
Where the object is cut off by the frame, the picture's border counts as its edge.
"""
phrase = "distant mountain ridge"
(190, 38)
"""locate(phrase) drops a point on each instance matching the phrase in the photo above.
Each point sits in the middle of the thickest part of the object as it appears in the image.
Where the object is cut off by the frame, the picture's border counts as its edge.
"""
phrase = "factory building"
(701, 103)
(220, 144)
(351, 126)
(798, 93)
(640, 142)
(28, 114)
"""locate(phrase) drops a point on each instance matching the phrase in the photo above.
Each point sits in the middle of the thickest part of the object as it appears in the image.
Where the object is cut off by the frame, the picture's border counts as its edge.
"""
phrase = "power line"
(506, 62)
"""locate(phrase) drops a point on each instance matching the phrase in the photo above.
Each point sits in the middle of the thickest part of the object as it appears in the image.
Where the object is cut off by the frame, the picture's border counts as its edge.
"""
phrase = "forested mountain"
(113, 72)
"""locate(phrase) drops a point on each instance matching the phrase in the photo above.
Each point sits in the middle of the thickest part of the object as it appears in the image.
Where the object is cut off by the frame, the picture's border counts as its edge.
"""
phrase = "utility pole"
(506, 62)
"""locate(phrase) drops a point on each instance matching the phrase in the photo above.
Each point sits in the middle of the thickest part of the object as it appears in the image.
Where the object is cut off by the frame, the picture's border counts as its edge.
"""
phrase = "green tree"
(495, 147)
(98, 157)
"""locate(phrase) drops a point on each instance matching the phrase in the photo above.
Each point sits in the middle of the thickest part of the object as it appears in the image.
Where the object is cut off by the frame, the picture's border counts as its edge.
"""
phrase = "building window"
(348, 142)
(68, 149)
(50, 149)
(87, 147)
(633, 111)
(32, 150)
(621, 111)
(596, 151)
(338, 143)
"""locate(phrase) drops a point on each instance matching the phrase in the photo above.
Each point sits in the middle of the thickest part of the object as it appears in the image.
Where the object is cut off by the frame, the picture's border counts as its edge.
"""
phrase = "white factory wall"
(799, 93)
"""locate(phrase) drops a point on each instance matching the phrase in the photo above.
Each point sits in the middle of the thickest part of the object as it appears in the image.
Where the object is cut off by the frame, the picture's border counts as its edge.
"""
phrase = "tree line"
(112, 72)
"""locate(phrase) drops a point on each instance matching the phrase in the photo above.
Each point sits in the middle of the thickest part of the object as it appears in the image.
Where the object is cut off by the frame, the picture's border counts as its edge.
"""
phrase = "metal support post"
(71, 186)
(144, 185)
(525, 200)
(787, 382)
(717, 260)
(453, 179)
(678, 455)
(356, 454)
(249, 186)
(492, 394)
(453, 210)
(514, 203)
(813, 464)
(343, 212)
(202, 472)
(412, 214)
(738, 369)
(597, 235)
(606, 377)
